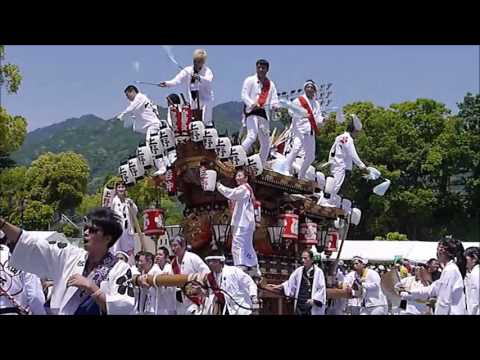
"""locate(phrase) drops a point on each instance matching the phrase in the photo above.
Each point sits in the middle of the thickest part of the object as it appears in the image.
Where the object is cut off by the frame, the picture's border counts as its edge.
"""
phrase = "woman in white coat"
(472, 280)
(449, 289)
(307, 286)
(87, 282)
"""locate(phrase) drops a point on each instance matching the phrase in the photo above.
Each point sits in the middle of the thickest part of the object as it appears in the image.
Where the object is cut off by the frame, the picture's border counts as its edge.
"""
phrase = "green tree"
(419, 146)
(36, 216)
(89, 202)
(13, 129)
(59, 180)
(12, 191)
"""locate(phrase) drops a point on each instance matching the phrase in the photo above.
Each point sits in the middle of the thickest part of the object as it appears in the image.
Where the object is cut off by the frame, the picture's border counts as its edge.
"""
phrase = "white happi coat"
(256, 125)
(191, 263)
(145, 298)
(165, 303)
(472, 291)
(343, 153)
(24, 287)
(349, 279)
(204, 88)
(58, 262)
(414, 307)
(449, 291)
(142, 111)
(373, 294)
(243, 212)
(126, 242)
(239, 286)
(243, 224)
(303, 137)
(291, 288)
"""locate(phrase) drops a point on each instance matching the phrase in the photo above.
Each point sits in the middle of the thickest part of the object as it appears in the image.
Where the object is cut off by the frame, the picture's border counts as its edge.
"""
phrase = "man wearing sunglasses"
(87, 281)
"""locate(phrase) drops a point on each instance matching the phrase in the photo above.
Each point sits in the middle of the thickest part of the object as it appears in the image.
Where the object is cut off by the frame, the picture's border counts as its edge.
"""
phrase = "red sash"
(311, 118)
(262, 99)
(175, 266)
(216, 290)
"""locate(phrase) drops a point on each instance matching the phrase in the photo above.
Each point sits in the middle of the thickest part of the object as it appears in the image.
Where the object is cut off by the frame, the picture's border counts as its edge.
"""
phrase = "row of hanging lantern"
(324, 95)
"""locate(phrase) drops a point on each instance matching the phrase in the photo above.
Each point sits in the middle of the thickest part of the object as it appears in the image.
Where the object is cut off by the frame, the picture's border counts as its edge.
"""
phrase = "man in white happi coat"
(141, 112)
(231, 290)
(418, 280)
(259, 95)
(87, 281)
(21, 293)
(373, 301)
(449, 288)
(305, 129)
(198, 80)
(342, 155)
(307, 286)
(472, 280)
(242, 222)
(145, 296)
(185, 262)
(126, 209)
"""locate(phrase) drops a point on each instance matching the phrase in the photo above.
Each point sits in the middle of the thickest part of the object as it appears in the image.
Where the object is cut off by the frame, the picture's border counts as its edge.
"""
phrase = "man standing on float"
(198, 79)
(260, 96)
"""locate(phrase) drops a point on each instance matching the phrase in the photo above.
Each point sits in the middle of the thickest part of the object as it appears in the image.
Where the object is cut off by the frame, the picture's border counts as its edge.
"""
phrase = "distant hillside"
(105, 143)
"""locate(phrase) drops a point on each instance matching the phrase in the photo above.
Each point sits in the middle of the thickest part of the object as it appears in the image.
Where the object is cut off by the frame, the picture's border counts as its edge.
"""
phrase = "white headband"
(119, 252)
(310, 82)
(362, 260)
(220, 258)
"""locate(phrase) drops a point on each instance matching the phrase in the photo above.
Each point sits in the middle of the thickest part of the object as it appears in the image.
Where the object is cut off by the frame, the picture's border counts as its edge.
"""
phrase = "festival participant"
(307, 286)
(304, 129)
(472, 280)
(259, 95)
(342, 155)
(185, 262)
(433, 267)
(243, 222)
(89, 281)
(126, 210)
(21, 293)
(141, 110)
(165, 296)
(449, 288)
(374, 301)
(145, 301)
(198, 79)
(231, 290)
(415, 307)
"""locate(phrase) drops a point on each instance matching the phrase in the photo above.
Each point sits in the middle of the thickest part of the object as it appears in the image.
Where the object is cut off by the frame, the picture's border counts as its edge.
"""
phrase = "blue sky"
(61, 82)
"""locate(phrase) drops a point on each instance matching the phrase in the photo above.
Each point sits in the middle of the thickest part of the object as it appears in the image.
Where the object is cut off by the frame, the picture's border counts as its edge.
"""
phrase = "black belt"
(10, 310)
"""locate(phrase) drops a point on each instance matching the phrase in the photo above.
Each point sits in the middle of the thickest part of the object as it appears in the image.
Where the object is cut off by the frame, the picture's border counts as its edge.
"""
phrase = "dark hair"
(174, 98)
(243, 170)
(309, 252)
(473, 252)
(131, 88)
(350, 126)
(164, 250)
(148, 255)
(430, 262)
(108, 221)
(455, 251)
(119, 183)
(137, 256)
(3, 238)
(263, 62)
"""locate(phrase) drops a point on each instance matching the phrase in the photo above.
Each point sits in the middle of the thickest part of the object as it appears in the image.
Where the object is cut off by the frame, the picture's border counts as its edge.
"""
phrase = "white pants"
(338, 173)
(243, 252)
(302, 143)
(258, 126)
(374, 310)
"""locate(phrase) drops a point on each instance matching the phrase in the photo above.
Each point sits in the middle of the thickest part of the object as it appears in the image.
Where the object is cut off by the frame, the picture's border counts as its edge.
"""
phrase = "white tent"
(384, 250)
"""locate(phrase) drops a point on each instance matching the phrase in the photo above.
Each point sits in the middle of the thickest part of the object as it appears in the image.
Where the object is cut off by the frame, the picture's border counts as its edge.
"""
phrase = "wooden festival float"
(291, 220)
